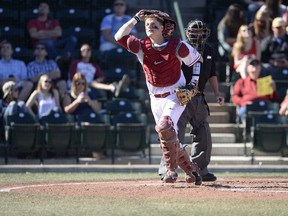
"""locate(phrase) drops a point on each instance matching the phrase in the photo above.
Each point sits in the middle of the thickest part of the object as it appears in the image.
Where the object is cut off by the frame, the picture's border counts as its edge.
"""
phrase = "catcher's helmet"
(197, 33)
(169, 24)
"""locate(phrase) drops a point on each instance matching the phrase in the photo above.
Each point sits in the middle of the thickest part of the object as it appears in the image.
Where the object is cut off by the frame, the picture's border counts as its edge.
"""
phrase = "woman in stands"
(45, 97)
(93, 73)
(78, 102)
(246, 45)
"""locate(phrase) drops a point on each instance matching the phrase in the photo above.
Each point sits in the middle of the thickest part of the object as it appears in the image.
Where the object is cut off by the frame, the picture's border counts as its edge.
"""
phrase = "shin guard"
(191, 169)
(169, 145)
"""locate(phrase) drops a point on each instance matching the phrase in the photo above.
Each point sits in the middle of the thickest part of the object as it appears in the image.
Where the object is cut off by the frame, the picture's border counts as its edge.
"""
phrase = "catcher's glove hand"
(186, 93)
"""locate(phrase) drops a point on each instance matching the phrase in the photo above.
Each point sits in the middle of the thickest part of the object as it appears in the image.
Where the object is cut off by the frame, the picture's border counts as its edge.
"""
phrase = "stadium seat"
(22, 135)
(8, 16)
(121, 105)
(93, 133)
(269, 133)
(132, 134)
(59, 133)
(74, 17)
(83, 34)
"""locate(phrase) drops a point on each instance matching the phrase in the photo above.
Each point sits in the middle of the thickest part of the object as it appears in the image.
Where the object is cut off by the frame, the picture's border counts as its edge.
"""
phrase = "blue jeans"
(60, 46)
(242, 111)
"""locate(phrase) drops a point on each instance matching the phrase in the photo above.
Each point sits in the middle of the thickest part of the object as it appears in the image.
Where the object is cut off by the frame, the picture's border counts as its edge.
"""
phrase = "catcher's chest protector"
(162, 68)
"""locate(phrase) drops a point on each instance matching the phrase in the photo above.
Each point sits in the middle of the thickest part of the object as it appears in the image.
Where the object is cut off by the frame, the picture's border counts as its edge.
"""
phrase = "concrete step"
(216, 138)
(219, 117)
(227, 107)
(224, 127)
(246, 160)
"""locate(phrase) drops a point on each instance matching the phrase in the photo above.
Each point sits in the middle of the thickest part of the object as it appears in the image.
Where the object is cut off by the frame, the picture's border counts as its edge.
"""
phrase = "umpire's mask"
(197, 33)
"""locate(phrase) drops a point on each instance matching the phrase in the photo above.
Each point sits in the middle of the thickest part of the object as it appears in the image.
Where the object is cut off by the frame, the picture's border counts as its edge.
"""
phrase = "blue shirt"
(114, 23)
(35, 68)
(14, 68)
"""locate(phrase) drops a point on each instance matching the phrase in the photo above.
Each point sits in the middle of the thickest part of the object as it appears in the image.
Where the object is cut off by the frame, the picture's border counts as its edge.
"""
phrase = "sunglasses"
(255, 63)
(48, 81)
(119, 4)
(88, 49)
(80, 83)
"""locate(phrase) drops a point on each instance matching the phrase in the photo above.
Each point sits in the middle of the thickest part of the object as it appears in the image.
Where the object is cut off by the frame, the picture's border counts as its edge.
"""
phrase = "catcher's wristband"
(137, 18)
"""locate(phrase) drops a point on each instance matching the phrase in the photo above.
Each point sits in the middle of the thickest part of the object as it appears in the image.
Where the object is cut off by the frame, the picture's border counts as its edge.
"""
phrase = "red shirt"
(245, 91)
(39, 25)
(73, 69)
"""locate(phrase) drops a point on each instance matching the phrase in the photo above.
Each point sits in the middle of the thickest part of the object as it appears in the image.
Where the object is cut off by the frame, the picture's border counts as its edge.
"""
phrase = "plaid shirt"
(35, 68)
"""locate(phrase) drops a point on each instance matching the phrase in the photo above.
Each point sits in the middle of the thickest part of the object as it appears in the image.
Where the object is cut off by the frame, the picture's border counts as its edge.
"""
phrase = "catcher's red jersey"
(162, 68)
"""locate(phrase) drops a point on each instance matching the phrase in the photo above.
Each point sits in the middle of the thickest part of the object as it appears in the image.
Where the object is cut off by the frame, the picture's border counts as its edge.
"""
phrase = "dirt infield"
(226, 188)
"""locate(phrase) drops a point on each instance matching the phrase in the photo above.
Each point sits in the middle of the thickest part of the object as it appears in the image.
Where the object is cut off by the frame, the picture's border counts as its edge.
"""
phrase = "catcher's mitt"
(186, 93)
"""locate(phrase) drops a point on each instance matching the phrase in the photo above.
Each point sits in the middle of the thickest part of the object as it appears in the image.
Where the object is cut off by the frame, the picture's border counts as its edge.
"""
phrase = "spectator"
(245, 90)
(12, 69)
(228, 28)
(93, 73)
(45, 97)
(41, 65)
(275, 48)
(274, 8)
(110, 25)
(252, 8)
(79, 102)
(244, 47)
(262, 25)
(11, 103)
(49, 32)
(284, 106)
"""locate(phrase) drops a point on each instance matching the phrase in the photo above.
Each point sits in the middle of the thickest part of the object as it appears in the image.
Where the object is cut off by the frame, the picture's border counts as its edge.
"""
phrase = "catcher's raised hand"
(141, 14)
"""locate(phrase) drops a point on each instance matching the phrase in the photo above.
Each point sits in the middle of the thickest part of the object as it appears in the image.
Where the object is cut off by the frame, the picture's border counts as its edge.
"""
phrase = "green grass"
(35, 204)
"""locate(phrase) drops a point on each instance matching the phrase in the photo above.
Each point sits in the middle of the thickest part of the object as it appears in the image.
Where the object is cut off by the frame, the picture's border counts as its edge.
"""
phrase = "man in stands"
(49, 32)
(14, 70)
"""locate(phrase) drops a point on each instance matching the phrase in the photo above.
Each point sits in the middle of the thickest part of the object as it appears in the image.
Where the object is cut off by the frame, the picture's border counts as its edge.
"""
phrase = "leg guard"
(191, 169)
(169, 146)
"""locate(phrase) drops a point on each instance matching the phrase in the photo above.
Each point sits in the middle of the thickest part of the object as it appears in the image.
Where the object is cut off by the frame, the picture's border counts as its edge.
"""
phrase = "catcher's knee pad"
(191, 169)
(165, 129)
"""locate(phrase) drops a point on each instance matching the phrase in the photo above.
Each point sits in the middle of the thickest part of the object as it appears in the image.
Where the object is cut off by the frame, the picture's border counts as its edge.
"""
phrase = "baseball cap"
(7, 88)
(278, 22)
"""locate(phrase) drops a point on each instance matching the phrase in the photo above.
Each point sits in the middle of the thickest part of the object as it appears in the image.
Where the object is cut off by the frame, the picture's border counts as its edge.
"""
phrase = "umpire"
(197, 109)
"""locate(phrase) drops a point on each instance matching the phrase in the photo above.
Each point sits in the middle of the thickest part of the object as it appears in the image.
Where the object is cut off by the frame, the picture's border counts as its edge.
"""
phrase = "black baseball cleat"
(209, 177)
(198, 178)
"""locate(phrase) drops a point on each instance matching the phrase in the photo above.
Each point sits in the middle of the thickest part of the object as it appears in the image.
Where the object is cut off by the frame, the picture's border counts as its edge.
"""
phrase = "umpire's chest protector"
(162, 68)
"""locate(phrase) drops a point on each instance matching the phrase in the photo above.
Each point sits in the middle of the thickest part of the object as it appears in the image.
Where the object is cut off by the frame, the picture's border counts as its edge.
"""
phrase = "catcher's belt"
(164, 95)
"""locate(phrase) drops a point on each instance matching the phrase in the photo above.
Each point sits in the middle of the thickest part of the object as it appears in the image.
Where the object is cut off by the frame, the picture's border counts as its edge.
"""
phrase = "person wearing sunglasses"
(93, 72)
(43, 65)
(45, 97)
(110, 25)
(245, 90)
(78, 101)
(161, 57)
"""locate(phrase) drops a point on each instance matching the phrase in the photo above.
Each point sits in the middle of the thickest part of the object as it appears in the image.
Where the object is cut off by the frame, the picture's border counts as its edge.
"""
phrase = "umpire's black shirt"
(208, 68)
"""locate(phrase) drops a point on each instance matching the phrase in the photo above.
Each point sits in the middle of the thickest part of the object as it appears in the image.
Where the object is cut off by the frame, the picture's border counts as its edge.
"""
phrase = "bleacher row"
(264, 128)
(122, 125)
